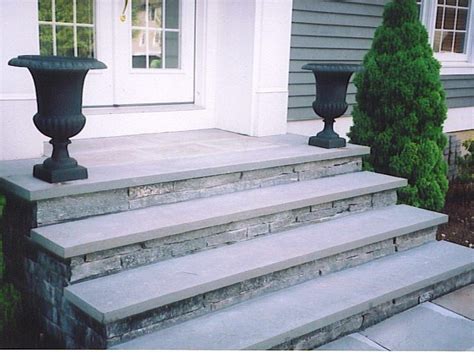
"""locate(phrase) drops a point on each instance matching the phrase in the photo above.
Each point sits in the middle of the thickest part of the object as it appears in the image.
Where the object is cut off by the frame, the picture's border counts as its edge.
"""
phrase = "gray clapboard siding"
(342, 31)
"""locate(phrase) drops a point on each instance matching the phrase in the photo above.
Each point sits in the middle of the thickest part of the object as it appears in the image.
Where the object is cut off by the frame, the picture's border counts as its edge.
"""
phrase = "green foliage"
(401, 107)
(465, 164)
(64, 12)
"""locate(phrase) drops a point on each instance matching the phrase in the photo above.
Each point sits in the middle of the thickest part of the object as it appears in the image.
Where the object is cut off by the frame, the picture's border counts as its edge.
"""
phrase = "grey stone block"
(78, 206)
(385, 198)
(135, 192)
(227, 237)
(97, 267)
(206, 182)
(258, 229)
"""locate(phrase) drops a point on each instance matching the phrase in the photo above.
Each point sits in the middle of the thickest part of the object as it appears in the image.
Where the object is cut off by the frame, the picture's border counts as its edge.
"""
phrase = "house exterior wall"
(241, 81)
(342, 31)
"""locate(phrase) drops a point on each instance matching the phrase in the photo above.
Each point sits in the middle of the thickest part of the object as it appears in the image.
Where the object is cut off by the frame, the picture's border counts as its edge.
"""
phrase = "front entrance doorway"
(148, 46)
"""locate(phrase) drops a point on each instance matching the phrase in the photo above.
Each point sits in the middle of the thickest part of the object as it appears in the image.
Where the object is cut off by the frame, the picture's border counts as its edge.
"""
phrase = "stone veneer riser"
(80, 268)
(48, 278)
(61, 209)
(118, 259)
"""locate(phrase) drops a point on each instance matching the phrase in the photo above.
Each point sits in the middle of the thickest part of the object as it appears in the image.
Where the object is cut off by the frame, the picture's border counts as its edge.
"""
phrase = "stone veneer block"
(111, 231)
(139, 290)
(256, 324)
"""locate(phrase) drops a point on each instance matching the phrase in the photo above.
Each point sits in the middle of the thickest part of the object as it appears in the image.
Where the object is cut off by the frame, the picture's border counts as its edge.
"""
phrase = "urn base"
(59, 175)
(327, 143)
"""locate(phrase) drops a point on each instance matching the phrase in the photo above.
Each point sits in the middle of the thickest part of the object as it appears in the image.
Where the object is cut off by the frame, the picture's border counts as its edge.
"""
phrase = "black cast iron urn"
(59, 83)
(331, 89)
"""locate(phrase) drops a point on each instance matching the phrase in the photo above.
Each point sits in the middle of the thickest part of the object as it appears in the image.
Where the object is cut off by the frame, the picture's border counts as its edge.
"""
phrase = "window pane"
(139, 13)
(85, 42)
(449, 15)
(155, 13)
(46, 39)
(172, 49)
(450, 2)
(464, 3)
(65, 41)
(439, 17)
(461, 21)
(459, 42)
(138, 49)
(44, 10)
(447, 42)
(84, 11)
(172, 14)
(155, 49)
(64, 11)
(440, 1)
(437, 41)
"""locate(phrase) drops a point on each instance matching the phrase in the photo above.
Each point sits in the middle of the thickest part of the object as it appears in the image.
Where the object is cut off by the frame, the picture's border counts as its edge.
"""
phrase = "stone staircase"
(240, 243)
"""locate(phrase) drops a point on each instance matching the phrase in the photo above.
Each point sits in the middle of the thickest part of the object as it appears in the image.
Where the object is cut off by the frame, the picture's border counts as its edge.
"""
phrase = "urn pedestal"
(331, 90)
(59, 83)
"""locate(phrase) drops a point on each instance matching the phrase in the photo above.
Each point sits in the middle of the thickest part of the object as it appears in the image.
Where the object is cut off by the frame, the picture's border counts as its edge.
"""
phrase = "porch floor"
(118, 162)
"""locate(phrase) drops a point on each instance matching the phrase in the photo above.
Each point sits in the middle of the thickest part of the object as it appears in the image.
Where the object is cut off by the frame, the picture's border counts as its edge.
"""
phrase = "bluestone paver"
(460, 301)
(352, 342)
(426, 327)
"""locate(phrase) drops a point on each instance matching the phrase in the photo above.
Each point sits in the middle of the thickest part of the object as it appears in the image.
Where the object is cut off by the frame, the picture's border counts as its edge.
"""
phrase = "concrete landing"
(427, 327)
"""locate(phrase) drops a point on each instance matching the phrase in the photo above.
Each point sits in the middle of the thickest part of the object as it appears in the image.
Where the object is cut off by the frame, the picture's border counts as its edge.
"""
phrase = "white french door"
(148, 46)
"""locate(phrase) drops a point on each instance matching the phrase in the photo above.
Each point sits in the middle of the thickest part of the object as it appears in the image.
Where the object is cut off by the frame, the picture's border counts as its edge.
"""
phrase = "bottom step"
(279, 319)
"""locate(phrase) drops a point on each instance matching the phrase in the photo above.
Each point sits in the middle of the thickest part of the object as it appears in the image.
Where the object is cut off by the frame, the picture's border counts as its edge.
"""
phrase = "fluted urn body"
(330, 103)
(59, 83)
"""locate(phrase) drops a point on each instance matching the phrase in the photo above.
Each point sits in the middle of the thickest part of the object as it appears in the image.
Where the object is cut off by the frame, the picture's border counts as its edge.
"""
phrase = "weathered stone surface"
(385, 198)
(97, 267)
(227, 237)
(153, 189)
(73, 207)
(418, 238)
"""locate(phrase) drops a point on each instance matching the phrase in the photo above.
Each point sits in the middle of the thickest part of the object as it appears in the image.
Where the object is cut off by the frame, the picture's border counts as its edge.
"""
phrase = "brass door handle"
(123, 17)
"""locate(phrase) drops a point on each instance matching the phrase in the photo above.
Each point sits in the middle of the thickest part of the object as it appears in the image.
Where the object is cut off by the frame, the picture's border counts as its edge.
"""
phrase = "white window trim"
(451, 63)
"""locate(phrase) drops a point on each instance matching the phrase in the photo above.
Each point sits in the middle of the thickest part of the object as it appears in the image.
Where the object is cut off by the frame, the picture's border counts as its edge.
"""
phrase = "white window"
(66, 27)
(450, 28)
(148, 47)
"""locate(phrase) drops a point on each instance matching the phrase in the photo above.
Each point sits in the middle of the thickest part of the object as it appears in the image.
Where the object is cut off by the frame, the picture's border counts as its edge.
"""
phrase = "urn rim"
(333, 67)
(56, 62)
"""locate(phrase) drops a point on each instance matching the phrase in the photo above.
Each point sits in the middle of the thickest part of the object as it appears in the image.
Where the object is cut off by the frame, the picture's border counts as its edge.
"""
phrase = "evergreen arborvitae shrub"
(401, 108)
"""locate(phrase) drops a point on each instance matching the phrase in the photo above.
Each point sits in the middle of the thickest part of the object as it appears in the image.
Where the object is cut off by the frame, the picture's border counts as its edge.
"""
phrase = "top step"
(122, 162)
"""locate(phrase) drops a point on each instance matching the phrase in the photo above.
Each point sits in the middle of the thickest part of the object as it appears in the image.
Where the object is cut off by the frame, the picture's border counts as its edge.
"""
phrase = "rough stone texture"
(451, 154)
(190, 242)
(73, 207)
(67, 208)
(148, 322)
